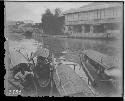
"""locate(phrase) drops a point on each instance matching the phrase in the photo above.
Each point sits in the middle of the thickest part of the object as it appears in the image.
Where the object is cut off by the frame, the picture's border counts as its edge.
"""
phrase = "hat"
(44, 52)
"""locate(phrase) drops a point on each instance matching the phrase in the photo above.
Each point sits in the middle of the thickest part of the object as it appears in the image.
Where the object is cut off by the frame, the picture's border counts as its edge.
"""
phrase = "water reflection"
(109, 47)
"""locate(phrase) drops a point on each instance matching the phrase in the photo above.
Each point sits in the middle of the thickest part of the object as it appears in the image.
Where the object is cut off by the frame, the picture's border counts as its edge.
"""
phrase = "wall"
(99, 14)
(98, 18)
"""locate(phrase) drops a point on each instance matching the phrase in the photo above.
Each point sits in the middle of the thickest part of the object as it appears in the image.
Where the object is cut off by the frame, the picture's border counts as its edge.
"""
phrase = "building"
(28, 21)
(11, 26)
(11, 22)
(98, 17)
(26, 25)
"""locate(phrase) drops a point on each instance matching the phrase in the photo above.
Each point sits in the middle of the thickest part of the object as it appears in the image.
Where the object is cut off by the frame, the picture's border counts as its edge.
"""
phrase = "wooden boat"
(95, 64)
(104, 60)
(69, 83)
(69, 80)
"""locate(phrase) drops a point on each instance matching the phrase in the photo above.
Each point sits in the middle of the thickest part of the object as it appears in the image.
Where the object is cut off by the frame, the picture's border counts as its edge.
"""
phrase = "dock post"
(101, 59)
(91, 29)
(83, 28)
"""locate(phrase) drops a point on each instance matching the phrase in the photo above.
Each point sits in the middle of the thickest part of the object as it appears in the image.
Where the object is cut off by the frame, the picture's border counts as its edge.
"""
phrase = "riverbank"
(76, 37)
(13, 36)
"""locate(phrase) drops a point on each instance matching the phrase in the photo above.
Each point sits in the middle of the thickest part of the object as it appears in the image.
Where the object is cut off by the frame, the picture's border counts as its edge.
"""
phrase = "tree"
(59, 23)
(52, 23)
(47, 22)
(57, 12)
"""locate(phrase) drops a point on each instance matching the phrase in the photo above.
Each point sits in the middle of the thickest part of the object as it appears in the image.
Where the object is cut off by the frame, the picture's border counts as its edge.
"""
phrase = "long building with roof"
(98, 17)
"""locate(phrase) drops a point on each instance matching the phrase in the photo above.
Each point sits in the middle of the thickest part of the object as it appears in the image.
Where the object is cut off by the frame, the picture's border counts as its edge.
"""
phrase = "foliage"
(52, 23)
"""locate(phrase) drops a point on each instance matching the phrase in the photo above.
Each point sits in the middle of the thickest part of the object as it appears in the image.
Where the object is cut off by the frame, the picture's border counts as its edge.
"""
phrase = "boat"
(69, 81)
(104, 60)
(96, 66)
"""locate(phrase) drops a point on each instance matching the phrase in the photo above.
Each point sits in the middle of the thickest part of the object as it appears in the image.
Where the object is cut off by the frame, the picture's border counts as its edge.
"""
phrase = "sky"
(19, 11)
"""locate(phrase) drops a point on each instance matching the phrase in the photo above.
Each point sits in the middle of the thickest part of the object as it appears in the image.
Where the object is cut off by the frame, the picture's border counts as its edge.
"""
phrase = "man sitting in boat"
(42, 67)
(20, 68)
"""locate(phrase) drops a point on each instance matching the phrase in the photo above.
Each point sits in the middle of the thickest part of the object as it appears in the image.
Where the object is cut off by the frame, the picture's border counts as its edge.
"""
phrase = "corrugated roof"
(93, 6)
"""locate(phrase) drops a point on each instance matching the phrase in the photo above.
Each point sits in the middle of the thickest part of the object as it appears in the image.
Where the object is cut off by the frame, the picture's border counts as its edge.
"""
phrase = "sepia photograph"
(63, 48)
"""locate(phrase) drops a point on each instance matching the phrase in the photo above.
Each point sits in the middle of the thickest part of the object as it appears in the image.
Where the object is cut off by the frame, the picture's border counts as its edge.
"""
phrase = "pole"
(51, 75)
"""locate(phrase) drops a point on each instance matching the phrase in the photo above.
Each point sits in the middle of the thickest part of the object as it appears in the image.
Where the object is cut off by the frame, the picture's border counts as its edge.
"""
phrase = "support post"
(83, 28)
(66, 29)
(91, 29)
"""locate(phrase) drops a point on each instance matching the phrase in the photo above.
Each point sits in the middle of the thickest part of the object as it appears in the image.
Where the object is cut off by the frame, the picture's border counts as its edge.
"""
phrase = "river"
(108, 47)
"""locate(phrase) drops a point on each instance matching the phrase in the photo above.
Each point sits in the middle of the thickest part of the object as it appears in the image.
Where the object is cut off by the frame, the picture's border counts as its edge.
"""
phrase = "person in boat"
(42, 67)
(19, 64)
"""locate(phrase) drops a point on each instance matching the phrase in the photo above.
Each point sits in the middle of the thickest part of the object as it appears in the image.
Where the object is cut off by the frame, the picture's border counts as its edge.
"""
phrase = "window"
(91, 15)
(79, 16)
(76, 16)
(95, 14)
(88, 17)
(71, 17)
(117, 12)
(109, 13)
(66, 17)
(85, 16)
(98, 14)
(102, 14)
